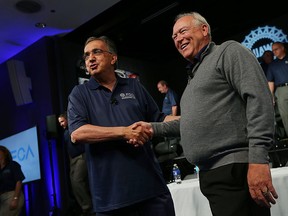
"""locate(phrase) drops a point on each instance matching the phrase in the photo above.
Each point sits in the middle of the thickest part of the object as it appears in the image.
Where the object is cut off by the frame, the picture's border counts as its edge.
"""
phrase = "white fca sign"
(268, 34)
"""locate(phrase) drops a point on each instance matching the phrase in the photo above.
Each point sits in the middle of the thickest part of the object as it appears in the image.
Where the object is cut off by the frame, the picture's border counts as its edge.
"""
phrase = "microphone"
(113, 101)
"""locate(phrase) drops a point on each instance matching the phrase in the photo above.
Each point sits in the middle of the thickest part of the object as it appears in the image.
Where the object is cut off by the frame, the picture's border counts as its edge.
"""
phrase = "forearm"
(15, 200)
(174, 110)
(272, 89)
(171, 118)
(167, 129)
(91, 134)
(94, 134)
(18, 189)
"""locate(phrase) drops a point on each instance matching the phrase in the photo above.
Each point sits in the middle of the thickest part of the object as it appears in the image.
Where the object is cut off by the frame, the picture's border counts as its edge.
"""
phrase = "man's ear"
(114, 59)
(204, 29)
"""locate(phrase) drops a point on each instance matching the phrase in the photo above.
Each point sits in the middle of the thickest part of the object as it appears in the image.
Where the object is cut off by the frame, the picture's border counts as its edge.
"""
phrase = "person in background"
(124, 179)
(266, 59)
(227, 120)
(277, 76)
(170, 102)
(78, 169)
(11, 177)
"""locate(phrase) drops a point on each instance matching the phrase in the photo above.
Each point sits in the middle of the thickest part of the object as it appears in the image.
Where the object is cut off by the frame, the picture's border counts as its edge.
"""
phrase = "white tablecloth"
(189, 201)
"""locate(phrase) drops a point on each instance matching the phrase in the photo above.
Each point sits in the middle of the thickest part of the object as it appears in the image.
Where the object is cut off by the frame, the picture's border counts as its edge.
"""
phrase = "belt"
(283, 84)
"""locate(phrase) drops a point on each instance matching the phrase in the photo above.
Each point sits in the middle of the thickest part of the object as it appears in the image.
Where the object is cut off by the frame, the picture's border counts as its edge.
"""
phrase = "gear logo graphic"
(261, 39)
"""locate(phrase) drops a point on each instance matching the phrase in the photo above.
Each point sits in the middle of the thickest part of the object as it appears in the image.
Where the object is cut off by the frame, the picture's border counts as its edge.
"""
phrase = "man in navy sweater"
(124, 179)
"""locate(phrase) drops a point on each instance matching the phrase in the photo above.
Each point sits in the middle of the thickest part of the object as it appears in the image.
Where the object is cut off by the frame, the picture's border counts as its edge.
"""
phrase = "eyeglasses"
(95, 52)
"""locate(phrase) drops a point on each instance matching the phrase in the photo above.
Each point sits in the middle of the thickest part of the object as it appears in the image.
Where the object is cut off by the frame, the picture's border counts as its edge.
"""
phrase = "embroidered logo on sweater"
(127, 96)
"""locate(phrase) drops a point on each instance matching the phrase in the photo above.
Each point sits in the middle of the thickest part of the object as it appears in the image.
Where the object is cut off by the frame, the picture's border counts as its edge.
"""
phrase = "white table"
(189, 201)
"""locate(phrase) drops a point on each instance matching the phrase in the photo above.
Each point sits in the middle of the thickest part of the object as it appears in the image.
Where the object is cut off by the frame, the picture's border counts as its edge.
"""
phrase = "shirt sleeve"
(242, 71)
(167, 129)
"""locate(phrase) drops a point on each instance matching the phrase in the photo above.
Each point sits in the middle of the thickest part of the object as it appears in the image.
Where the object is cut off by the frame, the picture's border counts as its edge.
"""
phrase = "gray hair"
(198, 20)
(110, 44)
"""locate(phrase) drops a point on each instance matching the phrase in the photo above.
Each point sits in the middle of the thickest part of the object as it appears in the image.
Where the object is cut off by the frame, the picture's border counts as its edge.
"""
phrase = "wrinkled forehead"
(185, 21)
(99, 44)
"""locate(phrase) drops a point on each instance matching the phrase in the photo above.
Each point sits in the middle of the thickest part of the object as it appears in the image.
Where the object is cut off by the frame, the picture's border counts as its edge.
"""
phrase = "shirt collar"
(196, 59)
(93, 84)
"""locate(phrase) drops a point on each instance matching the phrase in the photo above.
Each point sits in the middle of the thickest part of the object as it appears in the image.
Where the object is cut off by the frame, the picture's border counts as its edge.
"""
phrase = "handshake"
(138, 133)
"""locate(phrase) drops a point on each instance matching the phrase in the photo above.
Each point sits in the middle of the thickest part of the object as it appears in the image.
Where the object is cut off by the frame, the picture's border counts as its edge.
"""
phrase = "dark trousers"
(227, 191)
(158, 206)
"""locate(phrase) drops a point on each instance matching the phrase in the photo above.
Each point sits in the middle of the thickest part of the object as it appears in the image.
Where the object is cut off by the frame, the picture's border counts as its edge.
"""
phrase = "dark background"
(142, 31)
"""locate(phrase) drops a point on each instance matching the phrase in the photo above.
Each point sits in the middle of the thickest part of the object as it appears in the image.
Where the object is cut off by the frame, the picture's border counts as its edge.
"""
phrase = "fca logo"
(21, 154)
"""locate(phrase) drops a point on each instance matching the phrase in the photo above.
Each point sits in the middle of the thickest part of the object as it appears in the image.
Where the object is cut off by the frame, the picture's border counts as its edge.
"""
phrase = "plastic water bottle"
(196, 170)
(176, 174)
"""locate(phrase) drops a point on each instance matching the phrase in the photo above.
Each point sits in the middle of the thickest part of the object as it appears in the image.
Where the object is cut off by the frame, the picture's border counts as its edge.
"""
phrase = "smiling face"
(189, 37)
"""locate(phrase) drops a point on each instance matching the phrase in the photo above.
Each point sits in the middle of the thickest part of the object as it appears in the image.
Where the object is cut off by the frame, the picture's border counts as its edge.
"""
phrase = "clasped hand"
(138, 133)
